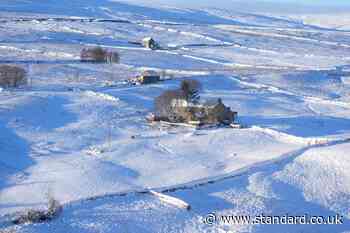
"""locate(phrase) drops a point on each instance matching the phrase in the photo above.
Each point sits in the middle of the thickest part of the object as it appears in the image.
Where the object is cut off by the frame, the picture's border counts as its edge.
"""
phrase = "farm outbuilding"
(150, 43)
(215, 112)
(209, 112)
(147, 77)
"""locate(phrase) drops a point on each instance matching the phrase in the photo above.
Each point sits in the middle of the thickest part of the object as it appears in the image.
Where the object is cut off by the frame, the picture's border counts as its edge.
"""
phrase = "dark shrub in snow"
(36, 216)
(12, 76)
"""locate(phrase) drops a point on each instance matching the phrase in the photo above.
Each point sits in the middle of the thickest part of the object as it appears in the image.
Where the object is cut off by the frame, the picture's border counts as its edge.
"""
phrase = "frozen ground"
(78, 131)
(337, 20)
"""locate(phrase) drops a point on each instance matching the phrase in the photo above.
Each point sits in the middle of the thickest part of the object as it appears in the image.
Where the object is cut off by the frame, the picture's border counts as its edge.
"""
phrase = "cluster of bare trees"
(12, 76)
(167, 104)
(98, 54)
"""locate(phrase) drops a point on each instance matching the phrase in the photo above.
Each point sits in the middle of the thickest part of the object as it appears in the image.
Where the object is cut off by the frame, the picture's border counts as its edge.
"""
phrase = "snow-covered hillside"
(336, 20)
(78, 131)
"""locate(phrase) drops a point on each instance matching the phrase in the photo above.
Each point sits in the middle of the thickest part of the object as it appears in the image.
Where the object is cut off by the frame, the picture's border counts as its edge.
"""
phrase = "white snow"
(171, 200)
(79, 131)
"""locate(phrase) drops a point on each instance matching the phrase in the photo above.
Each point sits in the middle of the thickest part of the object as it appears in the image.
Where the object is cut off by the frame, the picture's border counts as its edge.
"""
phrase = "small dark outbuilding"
(148, 77)
(150, 43)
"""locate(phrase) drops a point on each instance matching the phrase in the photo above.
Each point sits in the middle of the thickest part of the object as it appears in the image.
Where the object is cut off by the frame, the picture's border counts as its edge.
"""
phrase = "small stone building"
(215, 112)
(148, 77)
(150, 43)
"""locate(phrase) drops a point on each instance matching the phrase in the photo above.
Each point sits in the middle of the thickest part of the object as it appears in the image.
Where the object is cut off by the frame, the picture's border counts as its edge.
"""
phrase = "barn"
(148, 77)
(150, 43)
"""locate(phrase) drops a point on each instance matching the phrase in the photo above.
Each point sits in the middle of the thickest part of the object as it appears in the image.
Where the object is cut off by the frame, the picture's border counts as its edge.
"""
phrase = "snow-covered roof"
(150, 73)
(211, 102)
(147, 39)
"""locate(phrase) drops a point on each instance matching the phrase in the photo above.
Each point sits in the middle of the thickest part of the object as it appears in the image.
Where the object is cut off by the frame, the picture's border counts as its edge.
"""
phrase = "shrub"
(99, 54)
(36, 216)
(12, 76)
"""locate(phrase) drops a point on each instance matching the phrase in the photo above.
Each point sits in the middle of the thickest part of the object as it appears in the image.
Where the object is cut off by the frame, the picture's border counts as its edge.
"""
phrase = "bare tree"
(191, 89)
(99, 54)
(163, 104)
(176, 105)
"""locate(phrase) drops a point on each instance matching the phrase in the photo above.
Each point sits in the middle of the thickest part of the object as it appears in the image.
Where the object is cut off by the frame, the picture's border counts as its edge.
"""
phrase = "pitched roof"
(147, 39)
(211, 102)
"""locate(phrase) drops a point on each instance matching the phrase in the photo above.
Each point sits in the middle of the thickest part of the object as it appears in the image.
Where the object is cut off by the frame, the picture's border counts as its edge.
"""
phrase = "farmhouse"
(209, 112)
(215, 112)
(184, 105)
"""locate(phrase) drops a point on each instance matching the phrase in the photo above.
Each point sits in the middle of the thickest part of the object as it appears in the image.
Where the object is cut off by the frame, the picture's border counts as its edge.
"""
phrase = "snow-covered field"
(338, 20)
(78, 131)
